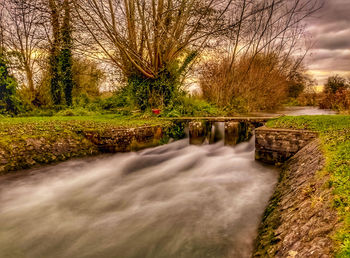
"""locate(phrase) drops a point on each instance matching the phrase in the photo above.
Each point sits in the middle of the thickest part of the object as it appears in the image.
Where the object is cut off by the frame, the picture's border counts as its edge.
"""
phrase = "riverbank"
(27, 142)
(311, 204)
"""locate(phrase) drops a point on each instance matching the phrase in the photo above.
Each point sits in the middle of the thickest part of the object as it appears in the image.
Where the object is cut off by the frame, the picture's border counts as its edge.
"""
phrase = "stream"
(176, 200)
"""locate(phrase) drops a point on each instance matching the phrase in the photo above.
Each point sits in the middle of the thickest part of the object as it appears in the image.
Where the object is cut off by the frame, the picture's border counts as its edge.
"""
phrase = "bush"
(9, 102)
(79, 111)
(250, 84)
(337, 101)
(39, 113)
(336, 94)
(189, 106)
(336, 83)
(120, 99)
(161, 91)
(309, 99)
(295, 89)
(153, 93)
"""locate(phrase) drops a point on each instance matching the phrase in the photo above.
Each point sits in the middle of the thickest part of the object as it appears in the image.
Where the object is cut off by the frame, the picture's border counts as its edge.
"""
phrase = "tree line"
(154, 45)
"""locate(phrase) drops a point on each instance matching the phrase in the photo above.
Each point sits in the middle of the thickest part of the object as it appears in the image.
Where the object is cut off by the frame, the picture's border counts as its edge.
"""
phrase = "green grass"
(115, 120)
(21, 128)
(26, 141)
(335, 136)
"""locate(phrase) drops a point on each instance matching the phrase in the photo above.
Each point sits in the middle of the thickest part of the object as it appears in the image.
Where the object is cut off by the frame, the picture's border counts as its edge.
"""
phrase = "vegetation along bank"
(309, 214)
(26, 142)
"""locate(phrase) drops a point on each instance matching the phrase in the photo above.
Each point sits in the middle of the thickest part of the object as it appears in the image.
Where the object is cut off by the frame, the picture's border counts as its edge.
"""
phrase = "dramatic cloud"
(330, 32)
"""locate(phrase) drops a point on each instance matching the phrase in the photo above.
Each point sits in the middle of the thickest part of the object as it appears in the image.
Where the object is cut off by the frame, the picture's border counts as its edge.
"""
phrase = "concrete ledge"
(276, 146)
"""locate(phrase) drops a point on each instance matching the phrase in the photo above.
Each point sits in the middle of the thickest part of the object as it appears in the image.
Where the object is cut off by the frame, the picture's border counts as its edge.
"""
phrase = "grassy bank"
(28, 141)
(335, 136)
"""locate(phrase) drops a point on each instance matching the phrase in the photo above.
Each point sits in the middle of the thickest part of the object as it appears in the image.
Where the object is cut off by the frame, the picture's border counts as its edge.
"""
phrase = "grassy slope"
(335, 136)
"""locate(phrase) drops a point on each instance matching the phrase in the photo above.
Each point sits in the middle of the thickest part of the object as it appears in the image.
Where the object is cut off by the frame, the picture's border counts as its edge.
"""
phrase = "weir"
(272, 146)
(208, 132)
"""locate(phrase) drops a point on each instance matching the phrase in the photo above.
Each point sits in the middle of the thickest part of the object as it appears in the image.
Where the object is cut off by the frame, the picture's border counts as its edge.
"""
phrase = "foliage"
(247, 85)
(295, 89)
(336, 94)
(54, 60)
(336, 83)
(9, 102)
(335, 136)
(337, 101)
(175, 132)
(66, 59)
(79, 111)
(191, 106)
(152, 93)
(309, 99)
(158, 92)
(60, 60)
(87, 78)
(56, 91)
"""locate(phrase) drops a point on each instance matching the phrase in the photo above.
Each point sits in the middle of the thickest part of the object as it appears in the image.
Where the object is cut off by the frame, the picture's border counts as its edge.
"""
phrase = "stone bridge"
(273, 146)
(232, 130)
(258, 121)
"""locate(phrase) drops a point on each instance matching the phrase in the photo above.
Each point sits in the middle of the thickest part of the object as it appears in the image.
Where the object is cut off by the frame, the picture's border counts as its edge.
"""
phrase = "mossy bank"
(26, 142)
(309, 214)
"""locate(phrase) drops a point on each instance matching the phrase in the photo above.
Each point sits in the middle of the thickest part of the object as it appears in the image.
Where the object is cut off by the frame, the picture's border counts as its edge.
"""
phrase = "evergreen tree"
(66, 60)
(8, 99)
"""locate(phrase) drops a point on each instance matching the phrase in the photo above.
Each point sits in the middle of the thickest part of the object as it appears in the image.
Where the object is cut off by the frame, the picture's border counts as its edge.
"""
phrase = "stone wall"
(29, 152)
(123, 140)
(275, 146)
(299, 221)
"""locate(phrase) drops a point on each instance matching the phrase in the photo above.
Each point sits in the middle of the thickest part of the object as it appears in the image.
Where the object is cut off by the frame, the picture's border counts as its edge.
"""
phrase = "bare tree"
(277, 29)
(22, 37)
(2, 29)
(265, 50)
(143, 36)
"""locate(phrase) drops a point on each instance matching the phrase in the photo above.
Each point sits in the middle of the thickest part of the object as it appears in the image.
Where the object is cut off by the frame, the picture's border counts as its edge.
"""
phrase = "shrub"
(336, 83)
(250, 84)
(9, 102)
(189, 106)
(337, 101)
(309, 99)
(161, 91)
(295, 89)
(79, 111)
(153, 93)
(336, 94)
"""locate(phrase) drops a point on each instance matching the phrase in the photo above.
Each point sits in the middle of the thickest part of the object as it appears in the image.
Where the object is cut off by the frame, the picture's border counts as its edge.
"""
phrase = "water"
(310, 111)
(297, 111)
(175, 200)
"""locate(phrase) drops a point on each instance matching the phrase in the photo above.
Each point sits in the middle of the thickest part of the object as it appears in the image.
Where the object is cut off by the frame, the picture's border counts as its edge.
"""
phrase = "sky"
(329, 30)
